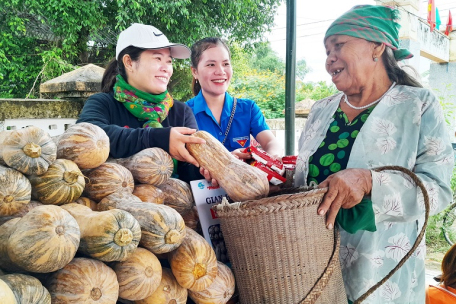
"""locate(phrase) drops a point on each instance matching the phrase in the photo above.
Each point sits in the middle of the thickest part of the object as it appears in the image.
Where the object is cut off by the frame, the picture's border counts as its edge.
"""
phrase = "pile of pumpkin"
(72, 221)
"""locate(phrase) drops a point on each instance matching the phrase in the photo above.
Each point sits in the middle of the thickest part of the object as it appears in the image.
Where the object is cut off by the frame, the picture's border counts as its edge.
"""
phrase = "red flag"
(431, 14)
(449, 26)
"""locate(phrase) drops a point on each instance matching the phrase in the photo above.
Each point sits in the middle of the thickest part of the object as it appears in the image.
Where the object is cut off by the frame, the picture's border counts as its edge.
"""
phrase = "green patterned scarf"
(144, 106)
(374, 23)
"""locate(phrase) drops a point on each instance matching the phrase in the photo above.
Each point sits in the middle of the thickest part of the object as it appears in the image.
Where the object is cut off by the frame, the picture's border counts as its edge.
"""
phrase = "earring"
(375, 59)
(196, 80)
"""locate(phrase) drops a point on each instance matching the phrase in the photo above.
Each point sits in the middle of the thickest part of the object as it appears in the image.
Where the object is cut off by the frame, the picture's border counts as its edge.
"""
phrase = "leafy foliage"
(259, 75)
(267, 89)
(43, 38)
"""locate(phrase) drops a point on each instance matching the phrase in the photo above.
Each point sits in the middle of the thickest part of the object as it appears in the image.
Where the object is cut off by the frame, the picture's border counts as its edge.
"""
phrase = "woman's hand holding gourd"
(346, 189)
(178, 139)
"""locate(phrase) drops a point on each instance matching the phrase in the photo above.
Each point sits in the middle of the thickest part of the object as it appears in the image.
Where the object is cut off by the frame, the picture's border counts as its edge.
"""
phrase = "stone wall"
(54, 116)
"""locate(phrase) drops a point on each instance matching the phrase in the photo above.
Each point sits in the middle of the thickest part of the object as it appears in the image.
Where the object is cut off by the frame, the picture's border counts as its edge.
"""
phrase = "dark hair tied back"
(198, 49)
(115, 68)
(395, 73)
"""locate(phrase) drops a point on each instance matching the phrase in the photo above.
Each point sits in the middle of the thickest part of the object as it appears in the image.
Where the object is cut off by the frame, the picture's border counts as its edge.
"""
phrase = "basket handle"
(318, 288)
(420, 184)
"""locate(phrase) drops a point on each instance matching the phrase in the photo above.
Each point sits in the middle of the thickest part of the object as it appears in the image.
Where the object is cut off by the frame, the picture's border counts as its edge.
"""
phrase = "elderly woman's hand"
(346, 189)
(178, 139)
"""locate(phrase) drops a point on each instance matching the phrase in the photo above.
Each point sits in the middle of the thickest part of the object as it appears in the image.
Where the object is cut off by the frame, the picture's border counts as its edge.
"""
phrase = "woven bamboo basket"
(282, 253)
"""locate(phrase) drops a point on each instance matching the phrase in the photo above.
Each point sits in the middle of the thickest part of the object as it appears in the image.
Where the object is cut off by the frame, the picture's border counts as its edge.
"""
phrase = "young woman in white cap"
(135, 108)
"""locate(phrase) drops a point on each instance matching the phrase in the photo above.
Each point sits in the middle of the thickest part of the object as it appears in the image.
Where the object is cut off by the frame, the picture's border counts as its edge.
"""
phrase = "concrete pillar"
(75, 85)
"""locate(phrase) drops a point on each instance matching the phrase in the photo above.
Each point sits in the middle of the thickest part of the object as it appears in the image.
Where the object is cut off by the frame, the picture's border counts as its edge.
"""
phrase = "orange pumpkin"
(150, 166)
(84, 281)
(106, 179)
(194, 263)
(85, 201)
(240, 181)
(191, 218)
(220, 291)
(149, 193)
(85, 144)
(178, 195)
(168, 292)
(139, 275)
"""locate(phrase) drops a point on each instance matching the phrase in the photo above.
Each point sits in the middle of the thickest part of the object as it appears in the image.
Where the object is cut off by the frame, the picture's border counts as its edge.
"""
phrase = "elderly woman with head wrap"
(382, 116)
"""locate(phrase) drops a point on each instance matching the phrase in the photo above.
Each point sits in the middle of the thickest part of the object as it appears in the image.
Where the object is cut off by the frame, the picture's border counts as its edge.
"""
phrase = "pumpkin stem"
(149, 272)
(199, 271)
(60, 230)
(167, 288)
(123, 237)
(70, 176)
(8, 199)
(95, 293)
(172, 236)
(32, 150)
(173, 301)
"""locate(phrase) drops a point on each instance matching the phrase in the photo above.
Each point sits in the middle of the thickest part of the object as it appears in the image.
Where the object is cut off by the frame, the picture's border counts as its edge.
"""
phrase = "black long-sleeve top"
(126, 133)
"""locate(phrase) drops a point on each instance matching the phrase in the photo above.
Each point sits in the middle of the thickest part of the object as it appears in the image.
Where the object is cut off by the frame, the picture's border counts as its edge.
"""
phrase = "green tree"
(42, 38)
(301, 69)
(264, 58)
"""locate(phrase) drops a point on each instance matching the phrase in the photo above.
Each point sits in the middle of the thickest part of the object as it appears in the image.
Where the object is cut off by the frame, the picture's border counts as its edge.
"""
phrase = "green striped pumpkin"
(111, 235)
(15, 191)
(30, 150)
(162, 227)
(45, 239)
(63, 183)
(27, 289)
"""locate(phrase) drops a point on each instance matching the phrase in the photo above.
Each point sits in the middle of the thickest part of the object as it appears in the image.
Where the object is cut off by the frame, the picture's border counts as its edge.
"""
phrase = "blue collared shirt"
(248, 120)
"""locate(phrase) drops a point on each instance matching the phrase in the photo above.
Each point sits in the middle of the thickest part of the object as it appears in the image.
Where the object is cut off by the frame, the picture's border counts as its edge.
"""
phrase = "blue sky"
(314, 17)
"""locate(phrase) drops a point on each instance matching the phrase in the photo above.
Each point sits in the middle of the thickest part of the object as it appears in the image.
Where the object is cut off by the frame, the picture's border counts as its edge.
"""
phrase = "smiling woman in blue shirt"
(230, 120)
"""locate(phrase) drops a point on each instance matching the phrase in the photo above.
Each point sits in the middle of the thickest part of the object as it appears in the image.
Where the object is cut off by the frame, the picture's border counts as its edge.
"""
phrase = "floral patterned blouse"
(407, 129)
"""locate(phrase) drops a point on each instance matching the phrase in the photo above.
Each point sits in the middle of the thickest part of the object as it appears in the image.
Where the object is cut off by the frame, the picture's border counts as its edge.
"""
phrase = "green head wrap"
(374, 23)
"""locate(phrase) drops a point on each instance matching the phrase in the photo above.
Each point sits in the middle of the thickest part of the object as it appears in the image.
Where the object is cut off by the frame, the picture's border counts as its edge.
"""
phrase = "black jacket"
(126, 133)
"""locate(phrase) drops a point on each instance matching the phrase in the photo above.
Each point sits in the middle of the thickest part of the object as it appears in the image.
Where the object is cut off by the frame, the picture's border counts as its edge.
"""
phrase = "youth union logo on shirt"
(241, 140)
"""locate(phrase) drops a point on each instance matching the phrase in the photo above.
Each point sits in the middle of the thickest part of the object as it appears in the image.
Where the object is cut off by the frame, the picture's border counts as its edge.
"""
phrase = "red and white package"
(273, 177)
(266, 159)
(289, 162)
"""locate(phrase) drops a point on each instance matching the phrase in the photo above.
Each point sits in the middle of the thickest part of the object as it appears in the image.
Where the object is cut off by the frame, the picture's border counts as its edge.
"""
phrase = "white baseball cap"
(149, 37)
